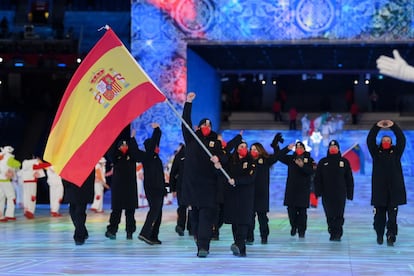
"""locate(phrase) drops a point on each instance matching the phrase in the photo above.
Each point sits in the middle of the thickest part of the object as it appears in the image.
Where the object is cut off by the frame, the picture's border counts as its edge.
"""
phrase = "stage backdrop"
(160, 29)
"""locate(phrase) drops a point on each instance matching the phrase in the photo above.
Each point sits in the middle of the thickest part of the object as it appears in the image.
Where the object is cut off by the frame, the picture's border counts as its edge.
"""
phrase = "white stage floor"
(44, 246)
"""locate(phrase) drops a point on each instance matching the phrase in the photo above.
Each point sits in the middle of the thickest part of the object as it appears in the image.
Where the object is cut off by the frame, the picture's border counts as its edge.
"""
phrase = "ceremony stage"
(44, 245)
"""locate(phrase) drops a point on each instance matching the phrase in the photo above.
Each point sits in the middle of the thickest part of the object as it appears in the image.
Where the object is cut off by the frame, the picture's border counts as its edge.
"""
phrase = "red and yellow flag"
(107, 92)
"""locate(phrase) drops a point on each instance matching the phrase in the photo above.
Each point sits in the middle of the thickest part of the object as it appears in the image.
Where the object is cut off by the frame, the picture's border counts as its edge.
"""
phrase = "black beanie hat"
(120, 143)
(300, 143)
(205, 121)
(239, 143)
(334, 143)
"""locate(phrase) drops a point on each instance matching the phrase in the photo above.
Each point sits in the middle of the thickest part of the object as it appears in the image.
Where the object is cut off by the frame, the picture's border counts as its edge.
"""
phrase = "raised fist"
(190, 97)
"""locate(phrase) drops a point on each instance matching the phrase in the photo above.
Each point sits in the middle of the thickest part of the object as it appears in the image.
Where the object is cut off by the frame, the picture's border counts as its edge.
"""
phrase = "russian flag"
(107, 92)
(355, 156)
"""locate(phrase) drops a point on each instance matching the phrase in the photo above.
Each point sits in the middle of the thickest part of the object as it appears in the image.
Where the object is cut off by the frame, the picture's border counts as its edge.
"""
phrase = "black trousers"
(219, 219)
(298, 218)
(151, 227)
(183, 217)
(202, 219)
(335, 226)
(78, 215)
(240, 235)
(381, 221)
(263, 226)
(115, 219)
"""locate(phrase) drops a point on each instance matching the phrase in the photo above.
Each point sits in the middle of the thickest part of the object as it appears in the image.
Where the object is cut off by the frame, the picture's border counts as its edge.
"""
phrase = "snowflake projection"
(354, 19)
(157, 46)
(392, 20)
(194, 17)
(252, 20)
(314, 16)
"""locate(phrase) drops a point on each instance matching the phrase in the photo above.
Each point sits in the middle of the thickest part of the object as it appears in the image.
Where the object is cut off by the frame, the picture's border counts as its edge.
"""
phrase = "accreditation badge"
(245, 164)
(260, 161)
(305, 160)
(211, 144)
(341, 164)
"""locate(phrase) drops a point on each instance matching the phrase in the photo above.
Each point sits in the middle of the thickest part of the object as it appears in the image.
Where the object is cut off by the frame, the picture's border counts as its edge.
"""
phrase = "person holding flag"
(388, 187)
(78, 199)
(201, 176)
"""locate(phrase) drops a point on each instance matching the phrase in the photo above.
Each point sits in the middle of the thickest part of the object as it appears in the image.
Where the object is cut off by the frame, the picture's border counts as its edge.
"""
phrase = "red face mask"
(123, 149)
(333, 150)
(386, 145)
(157, 150)
(205, 130)
(254, 154)
(223, 144)
(299, 151)
(242, 152)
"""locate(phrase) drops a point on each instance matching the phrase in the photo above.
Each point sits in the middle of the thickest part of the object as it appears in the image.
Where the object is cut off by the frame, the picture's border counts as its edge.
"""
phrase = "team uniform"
(78, 199)
(334, 182)
(239, 199)
(176, 184)
(297, 191)
(124, 191)
(200, 180)
(154, 185)
(261, 192)
(388, 187)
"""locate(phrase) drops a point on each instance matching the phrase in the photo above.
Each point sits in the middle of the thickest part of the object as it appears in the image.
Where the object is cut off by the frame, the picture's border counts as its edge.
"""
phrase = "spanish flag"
(108, 90)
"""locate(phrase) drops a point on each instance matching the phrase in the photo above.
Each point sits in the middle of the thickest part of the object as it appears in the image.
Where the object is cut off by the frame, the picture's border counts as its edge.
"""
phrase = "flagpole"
(194, 135)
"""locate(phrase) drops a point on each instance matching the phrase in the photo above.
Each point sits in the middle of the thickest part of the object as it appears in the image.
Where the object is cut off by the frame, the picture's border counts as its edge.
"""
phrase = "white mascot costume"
(55, 191)
(100, 185)
(8, 167)
(30, 172)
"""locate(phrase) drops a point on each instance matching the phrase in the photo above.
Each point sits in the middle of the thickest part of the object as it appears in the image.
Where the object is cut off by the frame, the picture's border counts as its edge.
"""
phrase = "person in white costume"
(30, 172)
(55, 191)
(100, 185)
(8, 167)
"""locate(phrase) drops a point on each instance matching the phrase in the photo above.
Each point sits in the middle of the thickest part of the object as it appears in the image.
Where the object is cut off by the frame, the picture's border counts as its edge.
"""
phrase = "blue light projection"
(160, 30)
